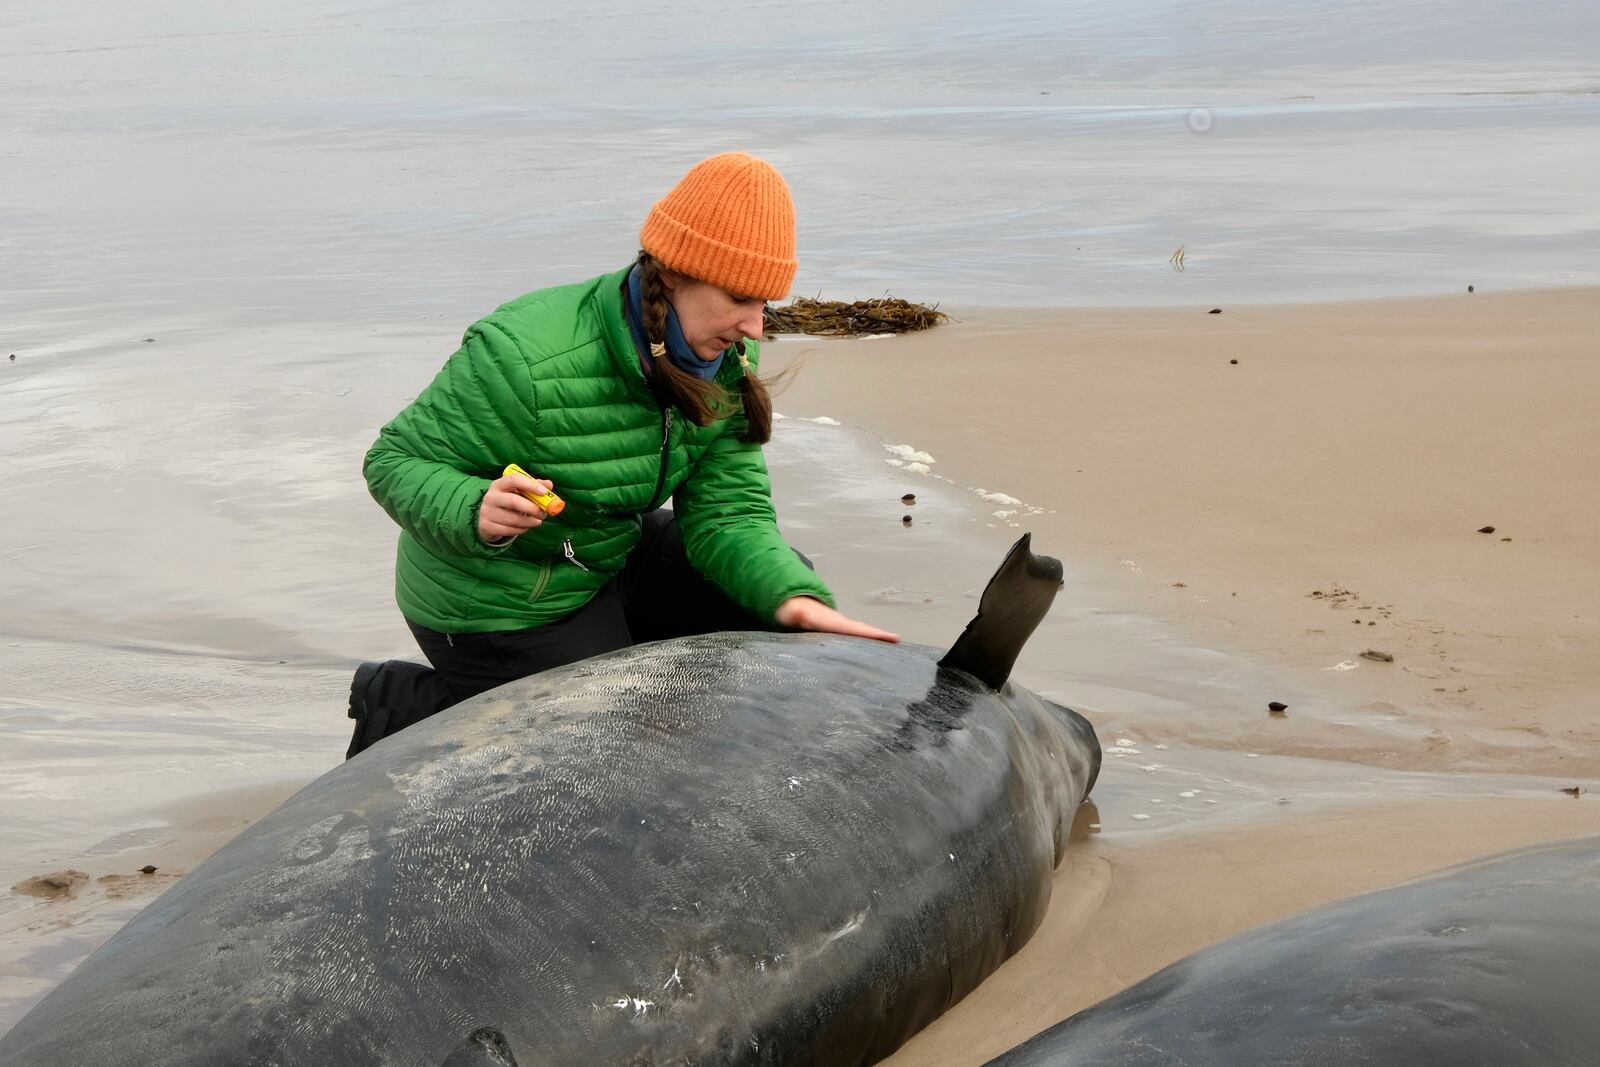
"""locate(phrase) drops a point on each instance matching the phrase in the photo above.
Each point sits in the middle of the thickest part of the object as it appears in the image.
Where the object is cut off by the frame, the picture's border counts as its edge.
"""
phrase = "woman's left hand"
(809, 613)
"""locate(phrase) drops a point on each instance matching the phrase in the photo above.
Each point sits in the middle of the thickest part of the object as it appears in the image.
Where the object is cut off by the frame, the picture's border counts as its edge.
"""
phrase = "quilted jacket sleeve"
(430, 466)
(730, 531)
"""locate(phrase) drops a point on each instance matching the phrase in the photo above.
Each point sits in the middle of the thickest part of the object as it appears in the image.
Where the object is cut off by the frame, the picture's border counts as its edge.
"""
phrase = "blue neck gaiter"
(678, 349)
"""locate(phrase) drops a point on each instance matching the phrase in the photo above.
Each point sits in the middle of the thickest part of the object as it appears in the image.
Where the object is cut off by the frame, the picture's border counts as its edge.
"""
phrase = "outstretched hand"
(506, 510)
(809, 613)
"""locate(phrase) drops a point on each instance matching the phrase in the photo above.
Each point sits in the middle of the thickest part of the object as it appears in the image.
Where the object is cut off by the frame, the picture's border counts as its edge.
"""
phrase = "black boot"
(387, 697)
(369, 712)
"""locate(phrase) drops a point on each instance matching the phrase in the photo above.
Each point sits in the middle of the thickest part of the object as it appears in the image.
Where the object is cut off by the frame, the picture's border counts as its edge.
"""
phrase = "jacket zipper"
(572, 556)
(543, 580)
(666, 451)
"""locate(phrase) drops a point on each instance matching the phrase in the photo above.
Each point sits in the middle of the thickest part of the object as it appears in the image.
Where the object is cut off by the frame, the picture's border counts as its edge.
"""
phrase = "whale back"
(1494, 964)
(734, 848)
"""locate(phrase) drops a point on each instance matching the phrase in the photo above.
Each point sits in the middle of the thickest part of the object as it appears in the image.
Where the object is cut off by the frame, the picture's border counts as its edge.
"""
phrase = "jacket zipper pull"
(572, 557)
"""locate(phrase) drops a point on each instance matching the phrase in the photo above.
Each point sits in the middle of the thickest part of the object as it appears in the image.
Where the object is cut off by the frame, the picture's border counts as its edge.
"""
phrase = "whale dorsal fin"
(1012, 604)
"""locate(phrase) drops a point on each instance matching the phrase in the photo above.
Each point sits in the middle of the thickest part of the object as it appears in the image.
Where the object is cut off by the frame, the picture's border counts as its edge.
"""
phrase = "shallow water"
(372, 163)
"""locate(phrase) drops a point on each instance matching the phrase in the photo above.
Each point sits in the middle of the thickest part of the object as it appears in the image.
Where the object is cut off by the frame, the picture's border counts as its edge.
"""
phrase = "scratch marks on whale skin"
(855, 923)
(639, 1006)
(343, 834)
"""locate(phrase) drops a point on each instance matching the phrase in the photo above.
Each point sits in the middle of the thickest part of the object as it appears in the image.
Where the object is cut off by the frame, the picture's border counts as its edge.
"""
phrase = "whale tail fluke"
(484, 1047)
(1011, 607)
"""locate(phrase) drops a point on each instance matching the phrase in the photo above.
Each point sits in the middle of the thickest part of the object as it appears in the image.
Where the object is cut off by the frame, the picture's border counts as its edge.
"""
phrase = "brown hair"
(702, 401)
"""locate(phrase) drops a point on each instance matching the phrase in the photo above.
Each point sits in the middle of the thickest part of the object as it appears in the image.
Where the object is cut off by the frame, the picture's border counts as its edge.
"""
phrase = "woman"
(619, 393)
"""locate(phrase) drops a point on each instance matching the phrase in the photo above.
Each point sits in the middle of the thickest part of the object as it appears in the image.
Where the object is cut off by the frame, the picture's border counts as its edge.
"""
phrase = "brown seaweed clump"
(835, 318)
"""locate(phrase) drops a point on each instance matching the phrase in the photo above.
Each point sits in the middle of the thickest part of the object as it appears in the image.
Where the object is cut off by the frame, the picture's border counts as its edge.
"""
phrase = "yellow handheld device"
(552, 504)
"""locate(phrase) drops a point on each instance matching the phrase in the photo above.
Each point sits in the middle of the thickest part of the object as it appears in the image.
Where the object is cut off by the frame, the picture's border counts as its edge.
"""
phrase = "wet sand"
(1123, 911)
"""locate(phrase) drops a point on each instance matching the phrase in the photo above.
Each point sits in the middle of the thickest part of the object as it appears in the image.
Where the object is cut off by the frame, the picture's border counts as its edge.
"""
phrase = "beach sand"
(1234, 533)
(1318, 498)
(1294, 485)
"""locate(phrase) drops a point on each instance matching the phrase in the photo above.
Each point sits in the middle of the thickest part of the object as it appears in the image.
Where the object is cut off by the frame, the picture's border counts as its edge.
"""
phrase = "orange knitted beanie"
(729, 222)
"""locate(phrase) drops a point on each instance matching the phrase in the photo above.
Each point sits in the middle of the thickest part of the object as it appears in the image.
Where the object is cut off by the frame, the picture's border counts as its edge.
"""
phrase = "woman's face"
(712, 319)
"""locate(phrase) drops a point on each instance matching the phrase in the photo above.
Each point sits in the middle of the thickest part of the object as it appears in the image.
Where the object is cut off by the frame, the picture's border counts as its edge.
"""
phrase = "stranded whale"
(1495, 963)
(736, 848)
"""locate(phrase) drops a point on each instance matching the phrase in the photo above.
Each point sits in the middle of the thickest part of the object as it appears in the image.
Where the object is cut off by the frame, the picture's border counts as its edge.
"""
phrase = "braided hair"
(700, 400)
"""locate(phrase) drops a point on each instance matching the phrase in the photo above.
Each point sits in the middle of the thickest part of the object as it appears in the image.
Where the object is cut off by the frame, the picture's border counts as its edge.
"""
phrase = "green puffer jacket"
(551, 381)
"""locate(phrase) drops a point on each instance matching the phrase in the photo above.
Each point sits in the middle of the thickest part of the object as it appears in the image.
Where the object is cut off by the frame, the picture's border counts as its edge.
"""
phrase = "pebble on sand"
(909, 499)
(1374, 654)
(1214, 311)
(149, 868)
(1469, 288)
(1486, 529)
(1277, 707)
(905, 520)
(1233, 361)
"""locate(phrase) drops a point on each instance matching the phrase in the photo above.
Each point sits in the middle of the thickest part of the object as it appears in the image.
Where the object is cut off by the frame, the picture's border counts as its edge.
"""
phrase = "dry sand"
(1337, 474)
(1318, 498)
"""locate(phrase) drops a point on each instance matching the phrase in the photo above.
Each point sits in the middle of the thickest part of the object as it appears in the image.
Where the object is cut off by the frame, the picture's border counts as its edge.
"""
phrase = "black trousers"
(659, 594)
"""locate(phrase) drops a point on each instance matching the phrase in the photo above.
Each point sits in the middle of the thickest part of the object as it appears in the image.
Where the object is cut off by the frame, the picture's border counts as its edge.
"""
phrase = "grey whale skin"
(1495, 963)
(742, 848)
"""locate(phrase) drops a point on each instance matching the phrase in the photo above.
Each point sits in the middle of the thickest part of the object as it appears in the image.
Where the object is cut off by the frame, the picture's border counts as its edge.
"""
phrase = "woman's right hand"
(809, 613)
(506, 510)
